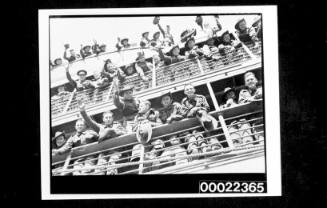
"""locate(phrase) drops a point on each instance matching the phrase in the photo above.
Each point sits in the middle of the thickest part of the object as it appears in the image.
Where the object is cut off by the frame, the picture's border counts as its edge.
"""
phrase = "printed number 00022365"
(232, 187)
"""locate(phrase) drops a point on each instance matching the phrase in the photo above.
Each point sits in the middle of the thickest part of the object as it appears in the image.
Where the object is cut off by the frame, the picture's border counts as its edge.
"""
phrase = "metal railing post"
(220, 117)
(141, 159)
(154, 74)
(110, 90)
(247, 50)
(64, 168)
(69, 102)
(199, 65)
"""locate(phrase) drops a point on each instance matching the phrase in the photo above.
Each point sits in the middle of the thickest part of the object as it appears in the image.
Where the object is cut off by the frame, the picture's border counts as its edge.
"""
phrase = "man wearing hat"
(145, 120)
(256, 26)
(142, 66)
(228, 43)
(106, 130)
(85, 51)
(127, 105)
(70, 54)
(170, 111)
(122, 44)
(156, 42)
(112, 72)
(145, 40)
(173, 55)
(81, 137)
(58, 140)
(195, 105)
(187, 34)
(252, 90)
(57, 61)
(82, 83)
(229, 97)
(209, 48)
(192, 50)
(244, 33)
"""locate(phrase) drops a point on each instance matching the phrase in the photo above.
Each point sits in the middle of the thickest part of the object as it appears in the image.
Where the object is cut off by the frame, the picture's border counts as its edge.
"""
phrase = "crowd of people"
(213, 48)
(140, 118)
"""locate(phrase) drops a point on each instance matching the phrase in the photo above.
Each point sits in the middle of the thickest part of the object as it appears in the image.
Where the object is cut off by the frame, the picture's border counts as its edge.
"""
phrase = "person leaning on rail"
(210, 49)
(252, 92)
(106, 130)
(246, 34)
(144, 121)
(85, 51)
(127, 105)
(81, 137)
(142, 66)
(192, 50)
(111, 71)
(82, 83)
(195, 105)
(173, 55)
(170, 111)
(229, 98)
(228, 43)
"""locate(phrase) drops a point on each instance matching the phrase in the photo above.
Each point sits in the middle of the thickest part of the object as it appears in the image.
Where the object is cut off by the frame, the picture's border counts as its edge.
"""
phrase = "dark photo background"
(302, 57)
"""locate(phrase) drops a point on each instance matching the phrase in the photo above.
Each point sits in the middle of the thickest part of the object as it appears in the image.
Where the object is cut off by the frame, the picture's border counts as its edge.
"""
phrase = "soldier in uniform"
(108, 129)
(127, 105)
(81, 137)
(82, 83)
(252, 91)
(145, 120)
(173, 56)
(195, 105)
(170, 111)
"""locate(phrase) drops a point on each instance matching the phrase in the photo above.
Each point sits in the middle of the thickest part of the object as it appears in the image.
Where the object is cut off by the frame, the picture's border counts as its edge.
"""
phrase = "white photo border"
(271, 101)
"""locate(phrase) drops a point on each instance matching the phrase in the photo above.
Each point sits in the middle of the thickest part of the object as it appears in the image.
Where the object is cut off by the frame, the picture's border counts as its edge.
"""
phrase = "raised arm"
(162, 30)
(89, 121)
(71, 81)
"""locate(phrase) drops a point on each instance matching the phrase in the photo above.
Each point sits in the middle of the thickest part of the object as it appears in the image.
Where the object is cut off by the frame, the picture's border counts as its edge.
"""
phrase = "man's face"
(82, 76)
(189, 90)
(191, 43)
(87, 49)
(108, 118)
(128, 94)
(174, 140)
(226, 38)
(80, 126)
(143, 107)
(230, 95)
(72, 52)
(130, 70)
(60, 141)
(125, 42)
(110, 67)
(166, 101)
(146, 35)
(157, 36)
(61, 89)
(251, 81)
(175, 51)
(242, 25)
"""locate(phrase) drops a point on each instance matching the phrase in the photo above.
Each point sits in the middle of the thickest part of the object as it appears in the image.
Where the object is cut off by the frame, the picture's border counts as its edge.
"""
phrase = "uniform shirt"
(78, 84)
(128, 108)
(97, 127)
(196, 101)
(194, 52)
(78, 139)
(246, 94)
(151, 115)
(170, 59)
(173, 109)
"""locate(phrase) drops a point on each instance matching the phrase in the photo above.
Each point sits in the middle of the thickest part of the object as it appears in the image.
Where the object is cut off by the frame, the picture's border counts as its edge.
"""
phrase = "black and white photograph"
(134, 95)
